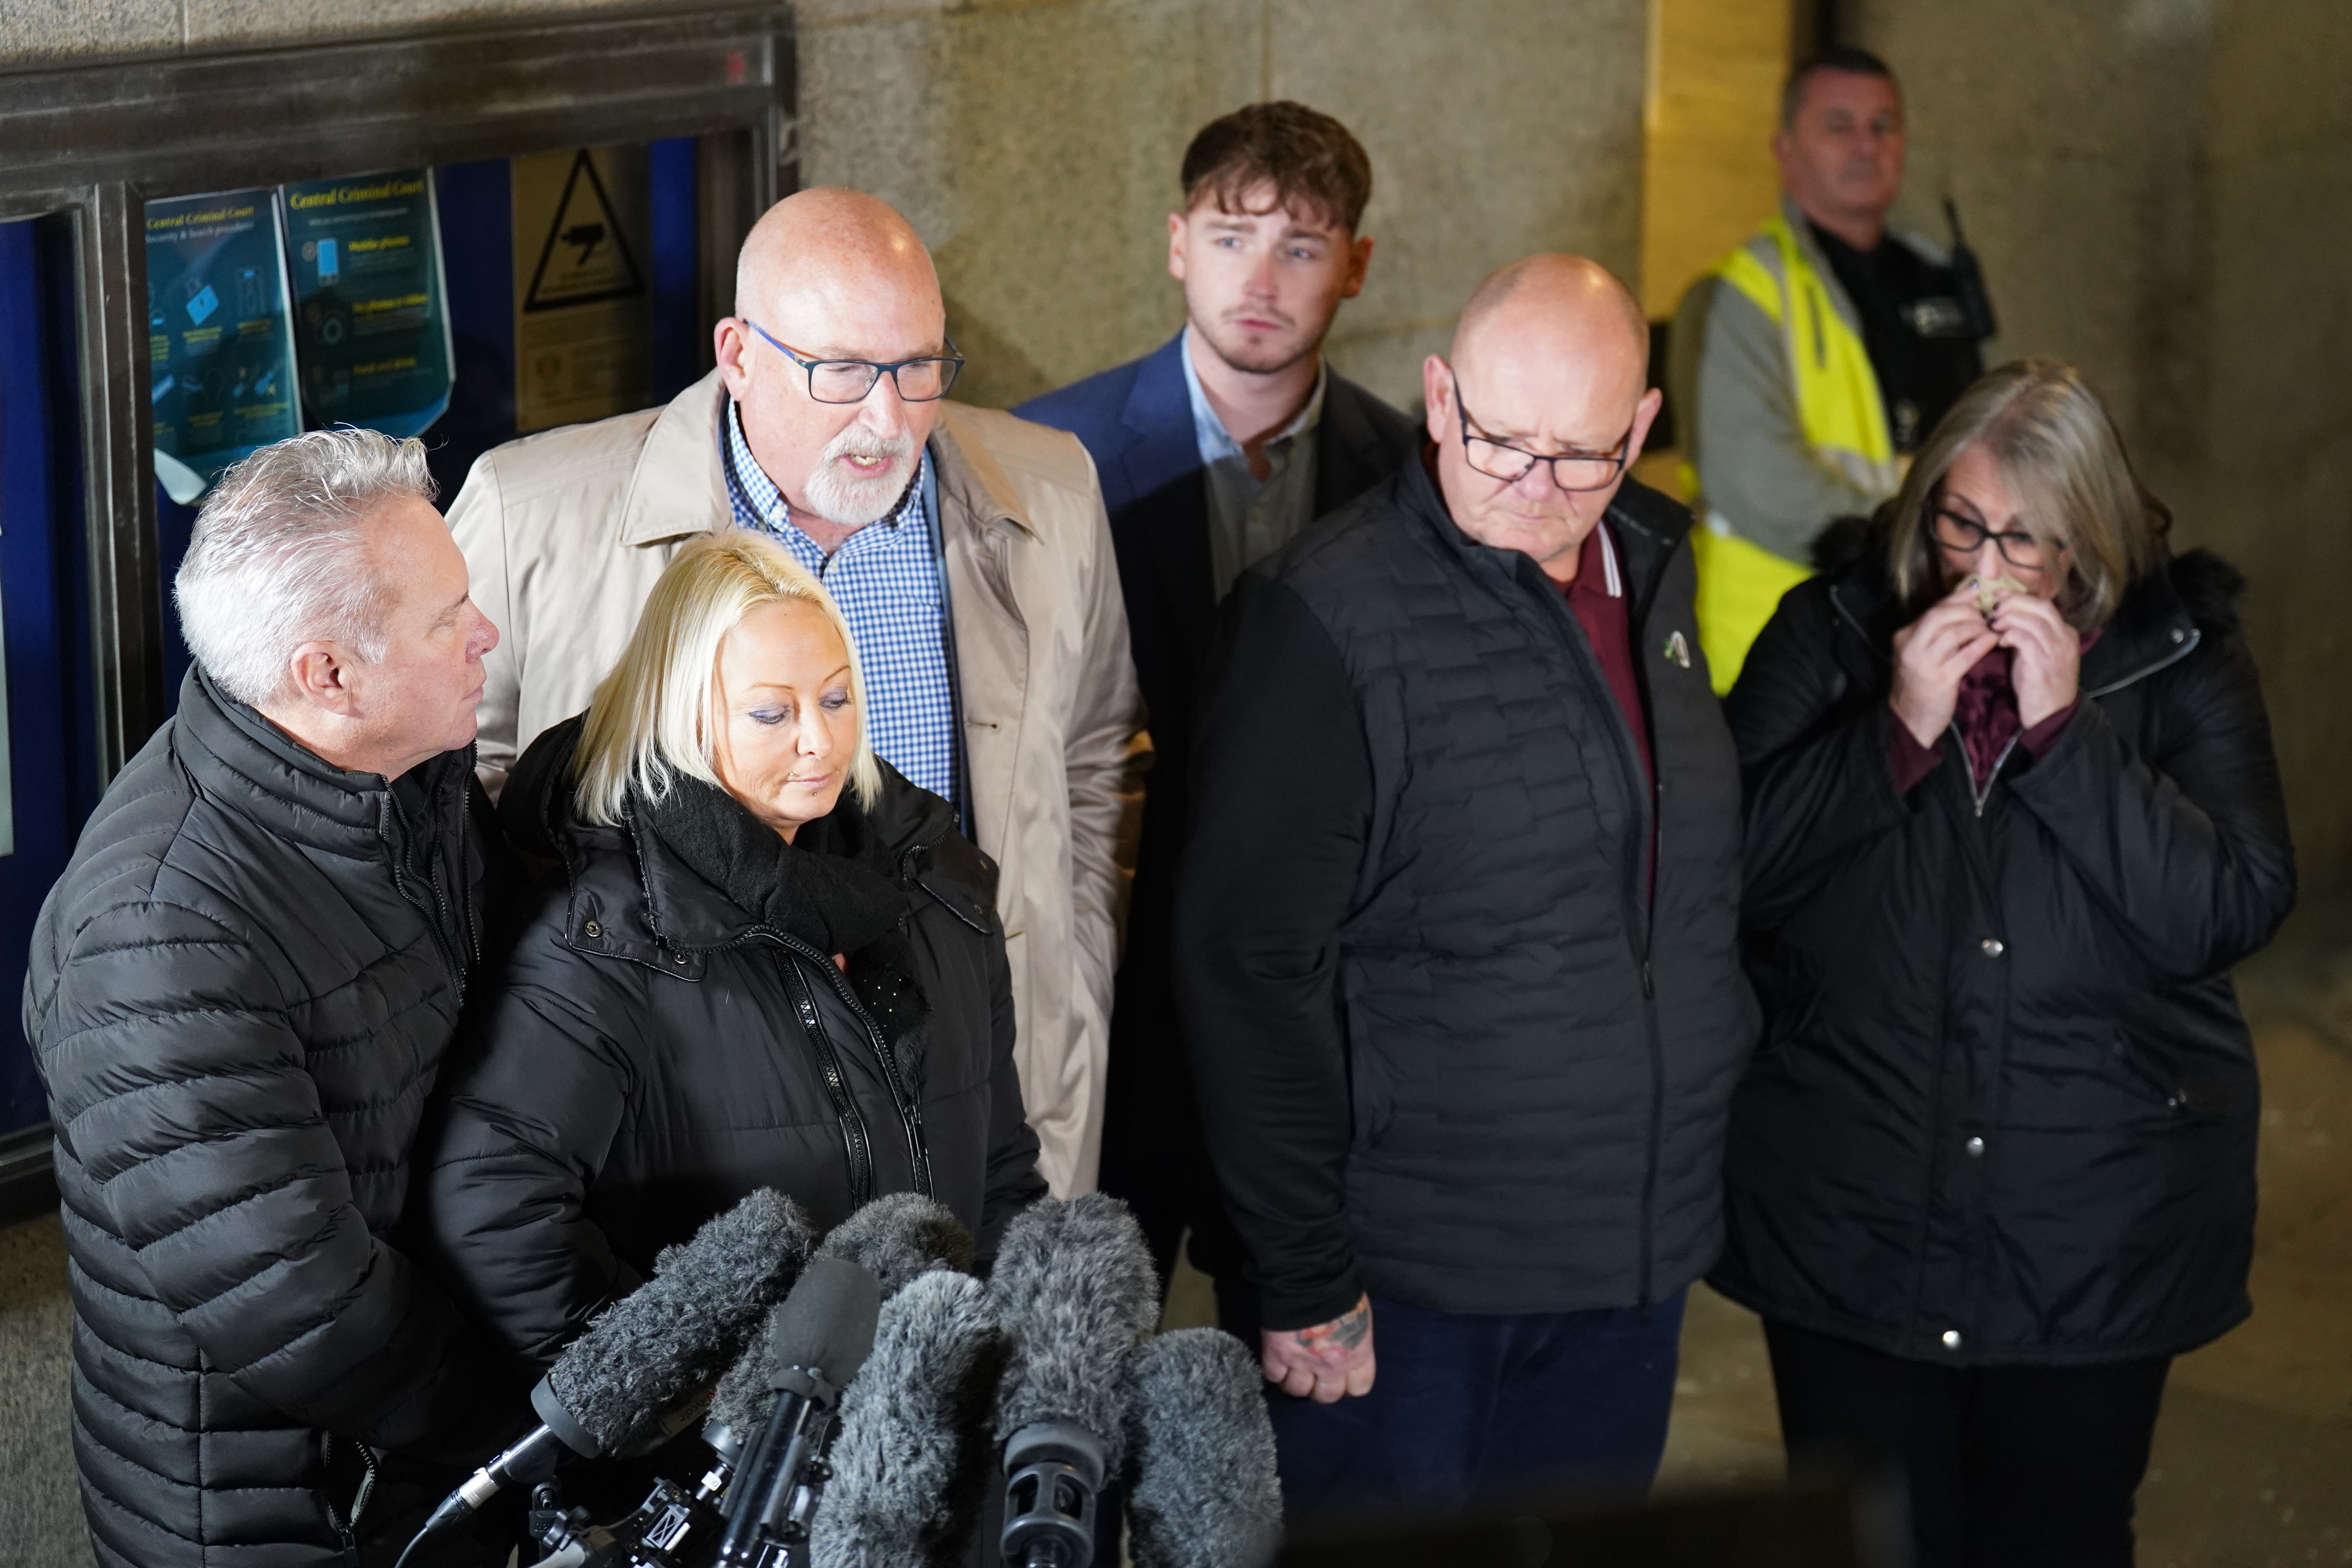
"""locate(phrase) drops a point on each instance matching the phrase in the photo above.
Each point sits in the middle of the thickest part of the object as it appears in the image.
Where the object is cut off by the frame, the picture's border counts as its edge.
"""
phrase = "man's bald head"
(812, 250)
(1551, 360)
(1553, 305)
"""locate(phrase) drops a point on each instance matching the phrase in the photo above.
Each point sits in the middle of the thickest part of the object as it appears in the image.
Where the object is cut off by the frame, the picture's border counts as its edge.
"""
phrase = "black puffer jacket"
(1456, 1045)
(2005, 1113)
(239, 993)
(656, 1045)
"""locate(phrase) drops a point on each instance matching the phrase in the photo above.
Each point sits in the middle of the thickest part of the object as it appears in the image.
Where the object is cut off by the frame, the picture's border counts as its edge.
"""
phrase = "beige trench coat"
(565, 532)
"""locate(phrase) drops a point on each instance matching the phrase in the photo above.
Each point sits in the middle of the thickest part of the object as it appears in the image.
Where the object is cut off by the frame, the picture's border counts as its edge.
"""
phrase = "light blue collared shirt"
(1249, 518)
(886, 577)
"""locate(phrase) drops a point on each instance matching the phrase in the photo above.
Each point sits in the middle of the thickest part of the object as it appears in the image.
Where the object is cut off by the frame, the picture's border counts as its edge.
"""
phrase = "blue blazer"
(1137, 421)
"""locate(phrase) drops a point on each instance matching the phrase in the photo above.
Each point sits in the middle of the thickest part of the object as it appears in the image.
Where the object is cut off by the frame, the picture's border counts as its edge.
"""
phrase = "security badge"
(1937, 316)
(1678, 649)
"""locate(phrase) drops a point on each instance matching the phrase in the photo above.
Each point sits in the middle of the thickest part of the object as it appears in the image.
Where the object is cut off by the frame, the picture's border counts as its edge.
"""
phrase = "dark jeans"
(1465, 1407)
(2022, 1466)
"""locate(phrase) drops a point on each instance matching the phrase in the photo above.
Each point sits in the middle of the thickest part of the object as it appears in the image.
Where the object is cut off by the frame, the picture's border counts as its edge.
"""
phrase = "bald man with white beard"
(1456, 941)
(968, 551)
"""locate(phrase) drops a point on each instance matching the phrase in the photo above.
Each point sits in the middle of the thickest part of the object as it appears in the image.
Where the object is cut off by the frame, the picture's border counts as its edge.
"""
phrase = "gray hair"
(2054, 443)
(277, 558)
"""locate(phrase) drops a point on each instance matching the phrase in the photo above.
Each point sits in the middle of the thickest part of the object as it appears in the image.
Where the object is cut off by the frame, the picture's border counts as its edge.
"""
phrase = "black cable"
(408, 1551)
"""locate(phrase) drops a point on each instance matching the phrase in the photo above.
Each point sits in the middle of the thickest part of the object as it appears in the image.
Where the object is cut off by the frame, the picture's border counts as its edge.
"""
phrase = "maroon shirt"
(1986, 715)
(1597, 594)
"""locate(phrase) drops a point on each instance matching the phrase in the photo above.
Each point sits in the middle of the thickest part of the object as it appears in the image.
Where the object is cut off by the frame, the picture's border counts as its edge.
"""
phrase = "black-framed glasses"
(1571, 471)
(923, 380)
(1964, 535)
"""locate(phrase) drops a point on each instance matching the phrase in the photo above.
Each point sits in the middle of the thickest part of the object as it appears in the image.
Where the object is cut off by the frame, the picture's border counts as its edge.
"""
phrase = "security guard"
(1810, 362)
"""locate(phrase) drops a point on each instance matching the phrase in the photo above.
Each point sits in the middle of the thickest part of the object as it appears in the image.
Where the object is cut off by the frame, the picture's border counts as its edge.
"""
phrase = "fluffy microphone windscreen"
(1204, 1492)
(895, 1238)
(678, 1331)
(826, 1325)
(908, 1467)
(899, 1236)
(1075, 1292)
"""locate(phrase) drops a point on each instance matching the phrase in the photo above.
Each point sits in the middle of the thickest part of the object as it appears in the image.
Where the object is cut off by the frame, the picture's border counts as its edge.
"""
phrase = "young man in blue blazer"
(1215, 450)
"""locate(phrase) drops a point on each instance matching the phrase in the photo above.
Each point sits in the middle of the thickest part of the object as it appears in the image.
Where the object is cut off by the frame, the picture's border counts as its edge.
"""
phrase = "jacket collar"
(1646, 524)
(632, 896)
(238, 757)
(915, 830)
(2153, 625)
(1350, 457)
(1158, 418)
(679, 487)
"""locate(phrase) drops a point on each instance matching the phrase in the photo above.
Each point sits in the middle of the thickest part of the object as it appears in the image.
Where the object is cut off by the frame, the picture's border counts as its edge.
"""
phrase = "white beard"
(843, 499)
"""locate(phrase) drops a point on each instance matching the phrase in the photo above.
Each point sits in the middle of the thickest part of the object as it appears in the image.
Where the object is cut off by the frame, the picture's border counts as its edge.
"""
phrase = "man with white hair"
(968, 549)
(238, 994)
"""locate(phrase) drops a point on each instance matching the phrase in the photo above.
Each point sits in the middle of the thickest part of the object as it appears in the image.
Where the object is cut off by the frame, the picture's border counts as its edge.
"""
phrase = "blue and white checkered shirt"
(885, 579)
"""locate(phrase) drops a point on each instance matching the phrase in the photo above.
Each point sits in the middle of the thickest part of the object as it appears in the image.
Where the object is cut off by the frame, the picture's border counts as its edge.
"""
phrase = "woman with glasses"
(2013, 813)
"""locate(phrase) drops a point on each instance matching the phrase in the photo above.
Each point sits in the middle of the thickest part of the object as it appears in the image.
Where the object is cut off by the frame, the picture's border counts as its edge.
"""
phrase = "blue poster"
(370, 311)
(220, 342)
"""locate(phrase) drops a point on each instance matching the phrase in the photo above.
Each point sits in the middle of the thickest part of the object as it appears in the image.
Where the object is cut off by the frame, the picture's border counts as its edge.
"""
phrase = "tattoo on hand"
(1342, 1333)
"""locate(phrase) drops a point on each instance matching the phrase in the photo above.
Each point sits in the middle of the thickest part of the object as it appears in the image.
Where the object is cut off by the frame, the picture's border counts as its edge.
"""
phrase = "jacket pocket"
(2153, 1078)
(1372, 1097)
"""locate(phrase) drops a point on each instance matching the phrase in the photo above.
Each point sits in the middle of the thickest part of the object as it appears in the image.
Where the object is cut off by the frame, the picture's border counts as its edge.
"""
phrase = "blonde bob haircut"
(2052, 438)
(659, 713)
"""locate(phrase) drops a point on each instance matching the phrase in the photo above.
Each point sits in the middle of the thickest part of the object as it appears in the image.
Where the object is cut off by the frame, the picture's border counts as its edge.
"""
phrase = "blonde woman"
(757, 957)
(2013, 813)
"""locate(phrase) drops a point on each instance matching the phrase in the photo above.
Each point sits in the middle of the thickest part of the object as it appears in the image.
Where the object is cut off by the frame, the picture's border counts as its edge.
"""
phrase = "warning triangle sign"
(585, 257)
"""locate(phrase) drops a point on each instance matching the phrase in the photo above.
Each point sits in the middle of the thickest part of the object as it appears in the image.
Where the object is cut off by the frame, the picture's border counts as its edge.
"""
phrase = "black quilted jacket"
(649, 1051)
(238, 994)
(1453, 1045)
(2005, 1111)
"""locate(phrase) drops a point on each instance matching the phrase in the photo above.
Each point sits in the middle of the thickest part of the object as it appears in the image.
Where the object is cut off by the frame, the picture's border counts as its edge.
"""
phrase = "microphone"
(896, 1239)
(661, 1344)
(817, 1338)
(900, 1238)
(1205, 1494)
(1075, 1292)
(905, 1486)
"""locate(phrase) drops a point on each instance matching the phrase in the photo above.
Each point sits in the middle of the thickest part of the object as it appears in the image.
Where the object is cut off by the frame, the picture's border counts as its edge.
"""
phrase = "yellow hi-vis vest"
(1844, 422)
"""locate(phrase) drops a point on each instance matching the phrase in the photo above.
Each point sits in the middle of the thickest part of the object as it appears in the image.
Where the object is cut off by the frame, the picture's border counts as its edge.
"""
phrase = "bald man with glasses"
(1456, 937)
(968, 549)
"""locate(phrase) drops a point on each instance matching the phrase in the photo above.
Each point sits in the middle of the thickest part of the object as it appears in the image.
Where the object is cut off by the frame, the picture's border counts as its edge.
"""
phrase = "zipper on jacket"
(1979, 797)
(911, 1116)
(836, 1084)
(1640, 897)
(437, 915)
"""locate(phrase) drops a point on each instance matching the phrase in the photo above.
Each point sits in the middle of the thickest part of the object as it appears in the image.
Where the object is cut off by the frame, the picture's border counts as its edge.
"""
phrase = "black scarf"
(833, 886)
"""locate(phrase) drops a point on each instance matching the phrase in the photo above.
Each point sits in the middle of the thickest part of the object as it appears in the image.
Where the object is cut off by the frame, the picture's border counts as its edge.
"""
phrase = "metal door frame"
(98, 141)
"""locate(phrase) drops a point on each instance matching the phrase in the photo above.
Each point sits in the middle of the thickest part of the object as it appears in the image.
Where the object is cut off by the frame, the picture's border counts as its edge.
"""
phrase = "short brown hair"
(2056, 446)
(1841, 58)
(1309, 157)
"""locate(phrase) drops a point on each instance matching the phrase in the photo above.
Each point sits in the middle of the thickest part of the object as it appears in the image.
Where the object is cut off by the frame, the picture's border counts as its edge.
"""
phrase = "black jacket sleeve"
(1283, 803)
(1813, 758)
(2188, 849)
(527, 1120)
(1013, 1182)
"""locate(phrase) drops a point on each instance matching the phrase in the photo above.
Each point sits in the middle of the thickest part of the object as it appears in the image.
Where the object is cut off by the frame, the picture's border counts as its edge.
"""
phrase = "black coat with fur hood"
(669, 1032)
(2006, 1106)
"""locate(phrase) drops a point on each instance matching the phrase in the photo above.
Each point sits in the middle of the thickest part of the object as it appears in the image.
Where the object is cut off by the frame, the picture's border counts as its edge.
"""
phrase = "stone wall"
(1036, 143)
(2161, 191)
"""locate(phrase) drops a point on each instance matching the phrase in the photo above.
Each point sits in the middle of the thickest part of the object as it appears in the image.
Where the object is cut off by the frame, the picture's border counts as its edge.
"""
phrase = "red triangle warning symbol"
(585, 257)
